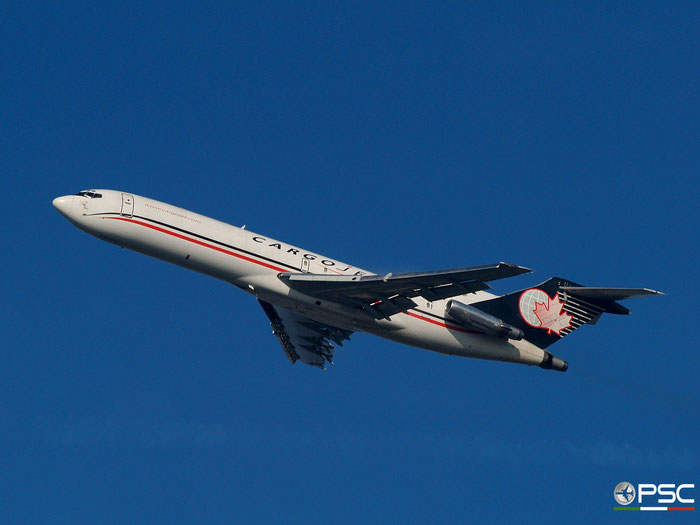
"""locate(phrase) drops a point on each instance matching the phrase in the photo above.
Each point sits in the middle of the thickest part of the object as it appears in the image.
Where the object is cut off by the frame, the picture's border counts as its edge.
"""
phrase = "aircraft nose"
(64, 204)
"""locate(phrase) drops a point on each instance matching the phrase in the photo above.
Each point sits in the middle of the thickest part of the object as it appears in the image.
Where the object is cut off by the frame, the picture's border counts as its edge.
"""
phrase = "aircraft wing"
(302, 338)
(382, 296)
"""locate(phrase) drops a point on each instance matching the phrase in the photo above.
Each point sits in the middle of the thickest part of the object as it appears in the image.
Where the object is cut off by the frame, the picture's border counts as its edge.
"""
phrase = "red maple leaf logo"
(551, 317)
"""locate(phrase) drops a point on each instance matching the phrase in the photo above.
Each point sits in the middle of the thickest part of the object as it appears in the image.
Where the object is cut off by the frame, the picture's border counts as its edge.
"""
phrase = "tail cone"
(551, 362)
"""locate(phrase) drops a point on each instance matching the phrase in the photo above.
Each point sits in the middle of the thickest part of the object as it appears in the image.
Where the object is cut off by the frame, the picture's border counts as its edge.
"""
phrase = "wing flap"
(304, 339)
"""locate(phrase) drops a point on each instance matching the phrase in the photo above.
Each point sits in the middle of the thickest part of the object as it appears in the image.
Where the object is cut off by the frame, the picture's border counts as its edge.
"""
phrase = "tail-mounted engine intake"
(479, 320)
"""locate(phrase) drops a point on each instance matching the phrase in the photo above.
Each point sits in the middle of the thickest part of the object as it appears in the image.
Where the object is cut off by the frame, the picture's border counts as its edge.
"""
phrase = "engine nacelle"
(487, 323)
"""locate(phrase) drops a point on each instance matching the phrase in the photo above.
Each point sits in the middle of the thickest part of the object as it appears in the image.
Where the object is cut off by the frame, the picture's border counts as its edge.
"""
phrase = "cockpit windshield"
(91, 194)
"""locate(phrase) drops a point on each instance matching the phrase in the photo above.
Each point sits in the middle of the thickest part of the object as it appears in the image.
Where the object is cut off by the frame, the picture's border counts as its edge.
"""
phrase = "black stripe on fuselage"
(181, 230)
(443, 319)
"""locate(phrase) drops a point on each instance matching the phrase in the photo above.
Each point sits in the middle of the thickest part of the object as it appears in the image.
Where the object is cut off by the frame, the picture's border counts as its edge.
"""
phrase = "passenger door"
(127, 205)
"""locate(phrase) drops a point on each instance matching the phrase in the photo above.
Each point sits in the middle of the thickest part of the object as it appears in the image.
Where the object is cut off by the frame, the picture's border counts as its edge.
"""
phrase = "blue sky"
(559, 136)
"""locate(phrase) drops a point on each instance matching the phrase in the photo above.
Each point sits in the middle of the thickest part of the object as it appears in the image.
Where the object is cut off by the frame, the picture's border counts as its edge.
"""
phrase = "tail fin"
(555, 308)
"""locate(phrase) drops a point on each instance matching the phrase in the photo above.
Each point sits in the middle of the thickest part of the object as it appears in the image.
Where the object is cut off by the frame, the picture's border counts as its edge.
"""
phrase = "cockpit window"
(90, 194)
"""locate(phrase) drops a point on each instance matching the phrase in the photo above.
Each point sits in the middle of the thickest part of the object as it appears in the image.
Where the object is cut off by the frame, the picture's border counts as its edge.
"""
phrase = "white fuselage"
(252, 262)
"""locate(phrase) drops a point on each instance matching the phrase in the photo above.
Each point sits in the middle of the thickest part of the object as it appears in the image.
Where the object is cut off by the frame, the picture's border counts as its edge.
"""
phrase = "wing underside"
(304, 339)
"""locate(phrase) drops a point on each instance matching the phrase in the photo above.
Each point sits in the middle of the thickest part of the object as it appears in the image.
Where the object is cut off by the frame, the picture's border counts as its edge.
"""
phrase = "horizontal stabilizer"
(608, 294)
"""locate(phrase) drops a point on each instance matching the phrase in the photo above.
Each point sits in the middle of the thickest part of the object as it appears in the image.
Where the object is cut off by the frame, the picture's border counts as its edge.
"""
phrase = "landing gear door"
(127, 205)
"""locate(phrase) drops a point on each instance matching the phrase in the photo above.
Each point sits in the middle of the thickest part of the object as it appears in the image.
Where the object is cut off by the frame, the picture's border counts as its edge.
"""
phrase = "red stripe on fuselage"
(228, 252)
(195, 241)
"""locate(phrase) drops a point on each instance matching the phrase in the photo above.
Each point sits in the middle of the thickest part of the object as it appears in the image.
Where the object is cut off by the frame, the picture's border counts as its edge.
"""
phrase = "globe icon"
(527, 305)
(624, 493)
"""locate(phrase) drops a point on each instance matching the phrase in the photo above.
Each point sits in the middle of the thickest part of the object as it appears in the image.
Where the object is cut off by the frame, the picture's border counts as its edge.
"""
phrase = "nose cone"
(64, 204)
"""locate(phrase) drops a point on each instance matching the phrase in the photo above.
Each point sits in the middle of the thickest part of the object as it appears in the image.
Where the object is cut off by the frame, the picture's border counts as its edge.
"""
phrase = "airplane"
(628, 493)
(313, 301)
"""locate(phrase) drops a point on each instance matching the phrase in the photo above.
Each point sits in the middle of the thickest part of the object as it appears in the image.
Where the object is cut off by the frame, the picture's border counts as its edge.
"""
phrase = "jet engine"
(479, 320)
